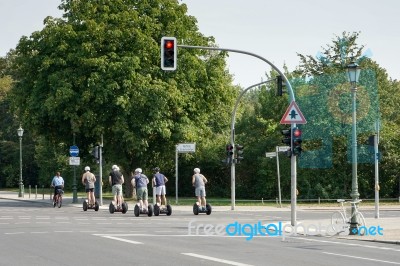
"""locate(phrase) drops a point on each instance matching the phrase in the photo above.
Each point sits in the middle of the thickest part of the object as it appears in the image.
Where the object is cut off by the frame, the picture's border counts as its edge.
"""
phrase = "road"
(37, 234)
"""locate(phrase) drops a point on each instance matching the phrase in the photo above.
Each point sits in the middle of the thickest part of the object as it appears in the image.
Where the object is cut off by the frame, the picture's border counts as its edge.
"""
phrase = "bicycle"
(340, 218)
(58, 198)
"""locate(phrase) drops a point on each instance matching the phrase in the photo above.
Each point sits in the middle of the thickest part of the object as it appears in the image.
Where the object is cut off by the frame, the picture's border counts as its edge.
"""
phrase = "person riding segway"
(199, 181)
(161, 205)
(140, 181)
(116, 180)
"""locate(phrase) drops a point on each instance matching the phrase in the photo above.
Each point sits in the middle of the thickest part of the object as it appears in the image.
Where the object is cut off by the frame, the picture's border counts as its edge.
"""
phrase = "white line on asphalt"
(216, 259)
(347, 244)
(361, 258)
(44, 232)
(123, 240)
(63, 231)
(15, 233)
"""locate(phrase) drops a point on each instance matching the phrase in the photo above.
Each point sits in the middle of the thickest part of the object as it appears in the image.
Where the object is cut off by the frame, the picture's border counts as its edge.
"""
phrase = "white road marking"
(39, 232)
(123, 240)
(216, 259)
(15, 233)
(361, 258)
(347, 244)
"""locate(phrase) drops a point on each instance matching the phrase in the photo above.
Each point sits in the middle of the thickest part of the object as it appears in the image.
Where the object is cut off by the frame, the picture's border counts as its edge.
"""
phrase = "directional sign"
(283, 148)
(74, 160)
(270, 154)
(73, 151)
(186, 147)
(293, 115)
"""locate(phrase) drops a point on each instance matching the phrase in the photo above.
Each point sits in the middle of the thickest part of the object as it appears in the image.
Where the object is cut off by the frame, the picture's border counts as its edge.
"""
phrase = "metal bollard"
(319, 201)
(29, 191)
(42, 192)
(23, 190)
(35, 191)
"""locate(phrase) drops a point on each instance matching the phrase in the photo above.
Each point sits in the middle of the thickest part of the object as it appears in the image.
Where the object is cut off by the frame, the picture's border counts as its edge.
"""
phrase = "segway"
(197, 209)
(86, 205)
(137, 211)
(162, 209)
(122, 208)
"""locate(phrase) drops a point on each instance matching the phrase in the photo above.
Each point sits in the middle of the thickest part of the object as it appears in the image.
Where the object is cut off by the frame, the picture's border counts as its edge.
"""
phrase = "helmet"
(87, 168)
(156, 169)
(138, 170)
(196, 170)
(114, 167)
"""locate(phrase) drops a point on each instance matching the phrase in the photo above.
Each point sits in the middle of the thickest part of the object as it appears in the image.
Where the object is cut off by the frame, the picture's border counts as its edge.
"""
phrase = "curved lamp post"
(353, 72)
(20, 132)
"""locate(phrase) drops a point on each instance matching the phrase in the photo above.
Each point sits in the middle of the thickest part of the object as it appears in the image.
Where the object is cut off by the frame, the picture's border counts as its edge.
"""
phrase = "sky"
(274, 30)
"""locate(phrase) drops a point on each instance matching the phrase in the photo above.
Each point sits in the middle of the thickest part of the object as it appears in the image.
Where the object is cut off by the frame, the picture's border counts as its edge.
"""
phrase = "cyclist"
(57, 183)
(159, 181)
(88, 180)
(116, 180)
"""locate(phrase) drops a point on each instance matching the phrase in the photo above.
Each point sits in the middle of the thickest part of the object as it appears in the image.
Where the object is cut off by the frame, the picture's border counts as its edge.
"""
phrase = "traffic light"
(238, 153)
(229, 153)
(96, 153)
(168, 53)
(287, 137)
(297, 141)
(279, 86)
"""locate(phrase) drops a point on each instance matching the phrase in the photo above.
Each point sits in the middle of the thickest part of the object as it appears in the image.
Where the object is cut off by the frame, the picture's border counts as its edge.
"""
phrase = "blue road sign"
(73, 151)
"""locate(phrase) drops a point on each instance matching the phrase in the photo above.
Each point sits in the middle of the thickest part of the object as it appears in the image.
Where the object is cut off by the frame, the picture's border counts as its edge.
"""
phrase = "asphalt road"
(38, 234)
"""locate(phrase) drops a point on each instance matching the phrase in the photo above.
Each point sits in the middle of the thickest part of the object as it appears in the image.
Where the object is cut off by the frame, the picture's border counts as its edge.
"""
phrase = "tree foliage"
(96, 71)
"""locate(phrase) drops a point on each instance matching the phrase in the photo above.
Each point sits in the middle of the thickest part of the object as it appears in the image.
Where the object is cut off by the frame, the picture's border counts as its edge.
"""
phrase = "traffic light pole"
(291, 94)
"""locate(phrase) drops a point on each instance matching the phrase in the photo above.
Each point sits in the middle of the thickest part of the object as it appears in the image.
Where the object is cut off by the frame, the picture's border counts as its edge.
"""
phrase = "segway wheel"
(208, 209)
(96, 206)
(196, 209)
(150, 210)
(156, 209)
(136, 210)
(124, 207)
(169, 210)
(111, 208)
(85, 205)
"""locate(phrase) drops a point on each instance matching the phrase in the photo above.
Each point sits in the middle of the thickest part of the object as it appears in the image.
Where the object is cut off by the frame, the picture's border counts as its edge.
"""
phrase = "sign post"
(181, 148)
(74, 160)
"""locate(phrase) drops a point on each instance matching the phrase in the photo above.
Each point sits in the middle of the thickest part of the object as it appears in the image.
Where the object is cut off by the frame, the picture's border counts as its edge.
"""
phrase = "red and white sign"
(293, 115)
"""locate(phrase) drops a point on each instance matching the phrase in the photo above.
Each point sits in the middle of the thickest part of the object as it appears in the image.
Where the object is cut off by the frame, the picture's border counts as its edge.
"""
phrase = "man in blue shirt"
(140, 181)
(159, 181)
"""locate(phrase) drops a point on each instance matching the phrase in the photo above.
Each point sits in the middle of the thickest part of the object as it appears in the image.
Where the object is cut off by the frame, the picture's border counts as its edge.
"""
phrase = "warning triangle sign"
(293, 115)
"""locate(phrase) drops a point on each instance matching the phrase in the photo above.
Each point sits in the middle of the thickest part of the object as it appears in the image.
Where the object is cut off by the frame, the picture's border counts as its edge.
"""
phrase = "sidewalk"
(390, 225)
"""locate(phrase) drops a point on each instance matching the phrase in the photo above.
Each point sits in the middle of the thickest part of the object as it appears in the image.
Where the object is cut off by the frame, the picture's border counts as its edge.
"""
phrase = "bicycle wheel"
(59, 201)
(360, 219)
(338, 221)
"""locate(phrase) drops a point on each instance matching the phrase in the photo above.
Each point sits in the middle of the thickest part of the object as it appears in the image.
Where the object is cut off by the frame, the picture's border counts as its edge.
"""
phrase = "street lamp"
(20, 132)
(353, 72)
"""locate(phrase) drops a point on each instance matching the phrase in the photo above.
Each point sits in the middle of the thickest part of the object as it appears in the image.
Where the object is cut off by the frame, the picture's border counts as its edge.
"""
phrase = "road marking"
(44, 232)
(16, 233)
(123, 240)
(361, 258)
(216, 259)
(348, 244)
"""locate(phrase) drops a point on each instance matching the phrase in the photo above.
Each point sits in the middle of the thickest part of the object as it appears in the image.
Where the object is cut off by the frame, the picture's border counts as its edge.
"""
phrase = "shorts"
(161, 190)
(117, 190)
(142, 193)
(89, 190)
(200, 192)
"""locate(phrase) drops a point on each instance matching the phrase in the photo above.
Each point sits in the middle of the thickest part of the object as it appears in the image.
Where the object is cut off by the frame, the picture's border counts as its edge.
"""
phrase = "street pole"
(74, 191)
(20, 132)
(279, 177)
(101, 171)
(176, 174)
(354, 72)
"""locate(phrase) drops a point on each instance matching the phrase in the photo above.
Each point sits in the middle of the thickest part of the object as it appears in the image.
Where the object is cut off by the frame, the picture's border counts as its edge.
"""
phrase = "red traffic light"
(169, 44)
(296, 133)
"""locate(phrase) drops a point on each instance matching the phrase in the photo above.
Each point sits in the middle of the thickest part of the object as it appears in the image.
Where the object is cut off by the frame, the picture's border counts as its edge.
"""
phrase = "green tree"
(96, 71)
